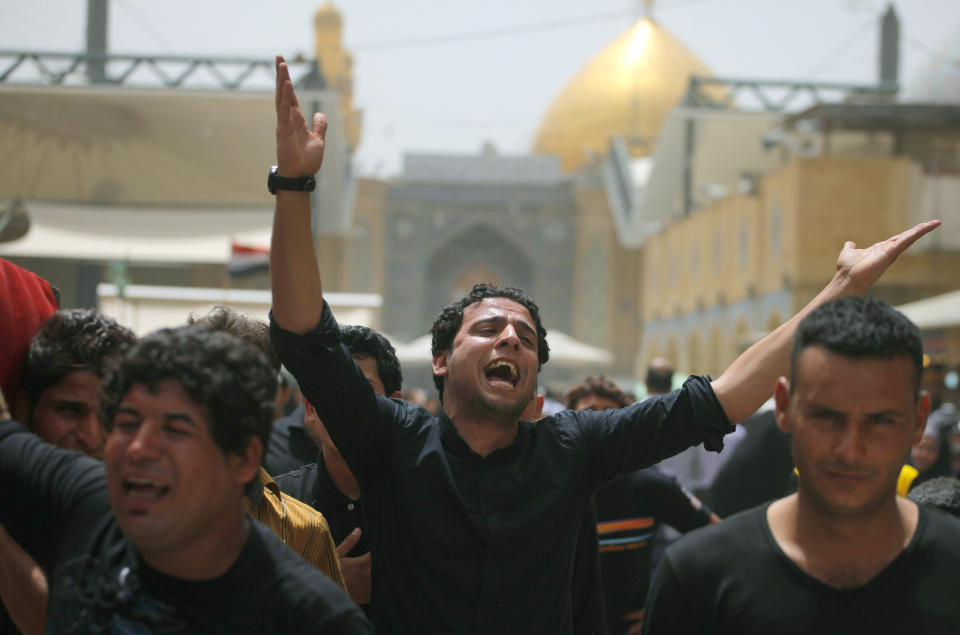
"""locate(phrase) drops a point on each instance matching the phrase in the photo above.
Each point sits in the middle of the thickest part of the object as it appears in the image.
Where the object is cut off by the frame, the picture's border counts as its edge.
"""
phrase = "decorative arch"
(478, 254)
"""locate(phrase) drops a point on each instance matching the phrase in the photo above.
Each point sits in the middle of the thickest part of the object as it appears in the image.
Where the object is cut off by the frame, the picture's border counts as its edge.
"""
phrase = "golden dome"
(627, 89)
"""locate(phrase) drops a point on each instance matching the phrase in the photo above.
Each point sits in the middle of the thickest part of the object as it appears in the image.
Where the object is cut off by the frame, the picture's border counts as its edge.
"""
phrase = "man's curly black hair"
(447, 324)
(600, 386)
(73, 340)
(230, 378)
(254, 332)
(361, 340)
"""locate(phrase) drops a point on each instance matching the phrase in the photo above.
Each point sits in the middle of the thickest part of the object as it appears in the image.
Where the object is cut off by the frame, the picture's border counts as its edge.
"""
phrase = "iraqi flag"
(246, 260)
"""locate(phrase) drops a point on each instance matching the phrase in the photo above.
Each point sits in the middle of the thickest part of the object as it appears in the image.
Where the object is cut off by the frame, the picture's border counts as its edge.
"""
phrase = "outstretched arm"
(749, 380)
(294, 275)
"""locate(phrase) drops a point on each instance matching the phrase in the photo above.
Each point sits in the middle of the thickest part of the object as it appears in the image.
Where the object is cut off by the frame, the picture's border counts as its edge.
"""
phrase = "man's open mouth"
(502, 373)
(144, 488)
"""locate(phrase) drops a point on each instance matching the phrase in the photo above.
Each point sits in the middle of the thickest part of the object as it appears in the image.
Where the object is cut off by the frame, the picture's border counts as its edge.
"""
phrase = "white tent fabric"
(181, 236)
(942, 311)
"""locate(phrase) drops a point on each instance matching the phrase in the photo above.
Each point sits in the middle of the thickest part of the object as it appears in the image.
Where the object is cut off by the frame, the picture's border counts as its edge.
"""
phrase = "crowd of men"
(146, 486)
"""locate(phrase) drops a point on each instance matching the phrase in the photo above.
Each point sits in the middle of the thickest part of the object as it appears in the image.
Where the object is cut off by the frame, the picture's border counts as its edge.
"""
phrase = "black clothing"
(758, 471)
(629, 510)
(734, 578)
(464, 543)
(289, 446)
(312, 485)
(586, 593)
(54, 502)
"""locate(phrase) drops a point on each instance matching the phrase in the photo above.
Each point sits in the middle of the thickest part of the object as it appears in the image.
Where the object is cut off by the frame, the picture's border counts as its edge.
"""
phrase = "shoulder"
(729, 542)
(300, 483)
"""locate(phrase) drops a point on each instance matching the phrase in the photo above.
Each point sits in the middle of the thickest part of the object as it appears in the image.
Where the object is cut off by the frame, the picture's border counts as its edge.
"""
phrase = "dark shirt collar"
(455, 443)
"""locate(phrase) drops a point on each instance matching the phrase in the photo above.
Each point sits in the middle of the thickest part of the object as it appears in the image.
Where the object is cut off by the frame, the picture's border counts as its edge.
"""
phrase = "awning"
(136, 146)
(942, 311)
(144, 235)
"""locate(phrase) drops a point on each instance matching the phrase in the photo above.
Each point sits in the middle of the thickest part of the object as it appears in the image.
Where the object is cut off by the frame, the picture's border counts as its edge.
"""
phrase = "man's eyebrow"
(500, 318)
(72, 402)
(181, 417)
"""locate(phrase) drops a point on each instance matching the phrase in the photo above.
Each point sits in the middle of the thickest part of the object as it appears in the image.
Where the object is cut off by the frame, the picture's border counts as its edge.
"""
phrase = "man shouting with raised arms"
(472, 515)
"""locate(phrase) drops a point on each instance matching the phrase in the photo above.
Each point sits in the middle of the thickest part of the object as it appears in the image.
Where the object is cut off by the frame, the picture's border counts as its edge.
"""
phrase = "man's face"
(67, 415)
(492, 365)
(169, 483)
(368, 366)
(853, 423)
(596, 402)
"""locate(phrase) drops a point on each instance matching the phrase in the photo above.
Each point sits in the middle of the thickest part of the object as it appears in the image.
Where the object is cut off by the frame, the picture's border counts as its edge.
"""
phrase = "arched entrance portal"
(479, 254)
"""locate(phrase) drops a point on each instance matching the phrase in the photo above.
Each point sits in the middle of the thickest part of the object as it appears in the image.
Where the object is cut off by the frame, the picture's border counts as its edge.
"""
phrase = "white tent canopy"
(942, 311)
(183, 236)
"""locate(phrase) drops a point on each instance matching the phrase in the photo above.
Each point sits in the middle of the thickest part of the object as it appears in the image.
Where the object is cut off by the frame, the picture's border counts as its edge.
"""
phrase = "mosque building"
(667, 221)
(661, 211)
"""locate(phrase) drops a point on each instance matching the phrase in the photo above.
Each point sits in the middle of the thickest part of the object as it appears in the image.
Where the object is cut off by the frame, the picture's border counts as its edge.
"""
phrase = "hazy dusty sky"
(502, 61)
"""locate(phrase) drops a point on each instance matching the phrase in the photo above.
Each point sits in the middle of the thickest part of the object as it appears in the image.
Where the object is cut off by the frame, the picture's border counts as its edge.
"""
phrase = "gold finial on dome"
(626, 89)
(336, 64)
(327, 15)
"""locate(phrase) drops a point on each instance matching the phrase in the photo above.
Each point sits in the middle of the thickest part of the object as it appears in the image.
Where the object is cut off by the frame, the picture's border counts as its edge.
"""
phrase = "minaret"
(889, 57)
(336, 65)
(96, 39)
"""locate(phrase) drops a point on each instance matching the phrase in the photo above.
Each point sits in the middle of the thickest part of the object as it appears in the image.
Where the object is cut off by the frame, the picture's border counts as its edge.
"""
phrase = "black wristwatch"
(299, 184)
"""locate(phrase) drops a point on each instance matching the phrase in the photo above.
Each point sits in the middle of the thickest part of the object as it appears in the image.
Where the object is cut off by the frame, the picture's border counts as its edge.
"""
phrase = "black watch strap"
(297, 184)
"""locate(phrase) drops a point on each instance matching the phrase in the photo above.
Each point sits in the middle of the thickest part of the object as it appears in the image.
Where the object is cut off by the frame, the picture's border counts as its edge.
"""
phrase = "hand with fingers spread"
(299, 148)
(356, 571)
(860, 268)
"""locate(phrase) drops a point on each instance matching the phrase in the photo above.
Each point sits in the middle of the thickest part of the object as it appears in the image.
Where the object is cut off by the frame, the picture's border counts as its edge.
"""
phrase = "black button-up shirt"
(462, 543)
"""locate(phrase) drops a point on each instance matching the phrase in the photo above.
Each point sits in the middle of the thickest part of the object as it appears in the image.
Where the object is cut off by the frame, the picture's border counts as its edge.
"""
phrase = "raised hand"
(860, 268)
(299, 148)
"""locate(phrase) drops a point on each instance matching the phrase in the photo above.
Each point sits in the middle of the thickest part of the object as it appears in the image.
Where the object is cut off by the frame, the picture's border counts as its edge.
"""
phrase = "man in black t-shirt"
(844, 553)
(158, 541)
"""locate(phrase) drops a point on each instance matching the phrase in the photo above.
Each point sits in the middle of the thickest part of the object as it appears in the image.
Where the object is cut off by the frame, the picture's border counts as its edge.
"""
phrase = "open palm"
(863, 267)
(299, 148)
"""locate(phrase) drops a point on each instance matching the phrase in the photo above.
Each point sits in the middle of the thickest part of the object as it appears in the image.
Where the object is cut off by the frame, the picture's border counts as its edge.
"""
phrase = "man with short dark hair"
(659, 378)
(844, 553)
(190, 411)
(61, 399)
(473, 514)
(942, 492)
(628, 510)
(328, 484)
(62, 387)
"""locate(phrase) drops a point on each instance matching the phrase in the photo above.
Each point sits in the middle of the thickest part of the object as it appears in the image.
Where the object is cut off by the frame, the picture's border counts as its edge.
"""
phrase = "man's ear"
(440, 367)
(921, 413)
(781, 398)
(395, 395)
(247, 465)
